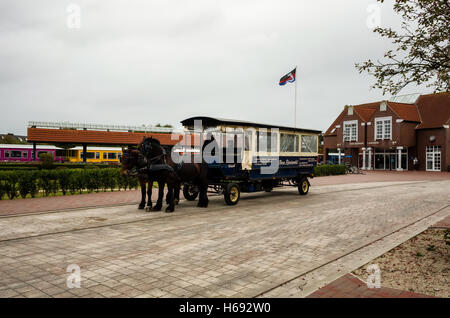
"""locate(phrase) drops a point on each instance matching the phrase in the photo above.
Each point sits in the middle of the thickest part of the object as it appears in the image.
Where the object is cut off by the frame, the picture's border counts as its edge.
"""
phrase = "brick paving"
(350, 286)
(382, 176)
(59, 203)
(241, 251)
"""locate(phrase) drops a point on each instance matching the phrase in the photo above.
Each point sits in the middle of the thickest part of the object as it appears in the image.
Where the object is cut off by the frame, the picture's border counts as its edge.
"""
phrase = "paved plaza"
(263, 247)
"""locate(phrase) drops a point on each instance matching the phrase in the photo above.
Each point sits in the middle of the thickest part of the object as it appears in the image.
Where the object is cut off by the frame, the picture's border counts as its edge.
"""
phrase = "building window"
(288, 143)
(351, 130)
(309, 143)
(433, 155)
(383, 128)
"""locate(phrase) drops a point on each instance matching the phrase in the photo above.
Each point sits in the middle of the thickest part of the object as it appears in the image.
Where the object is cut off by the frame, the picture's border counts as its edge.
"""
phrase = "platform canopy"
(41, 135)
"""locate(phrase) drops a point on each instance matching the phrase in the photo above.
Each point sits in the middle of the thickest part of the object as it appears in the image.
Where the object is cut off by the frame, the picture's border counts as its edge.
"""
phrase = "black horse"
(161, 166)
(132, 160)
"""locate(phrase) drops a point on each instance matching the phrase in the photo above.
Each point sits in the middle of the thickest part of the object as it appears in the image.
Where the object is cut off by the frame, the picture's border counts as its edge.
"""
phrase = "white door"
(433, 158)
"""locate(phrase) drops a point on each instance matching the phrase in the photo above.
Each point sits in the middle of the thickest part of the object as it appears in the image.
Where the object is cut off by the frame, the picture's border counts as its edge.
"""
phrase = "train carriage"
(24, 152)
(253, 157)
(95, 154)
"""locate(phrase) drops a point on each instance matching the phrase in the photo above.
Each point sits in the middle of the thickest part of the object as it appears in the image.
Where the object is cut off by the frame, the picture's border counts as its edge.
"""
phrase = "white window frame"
(433, 151)
(351, 137)
(383, 128)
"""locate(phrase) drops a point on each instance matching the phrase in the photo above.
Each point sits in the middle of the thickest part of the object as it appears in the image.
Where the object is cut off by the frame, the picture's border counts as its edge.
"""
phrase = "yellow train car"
(95, 154)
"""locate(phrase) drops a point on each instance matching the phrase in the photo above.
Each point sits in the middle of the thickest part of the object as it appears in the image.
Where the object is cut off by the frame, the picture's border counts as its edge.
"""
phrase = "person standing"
(415, 163)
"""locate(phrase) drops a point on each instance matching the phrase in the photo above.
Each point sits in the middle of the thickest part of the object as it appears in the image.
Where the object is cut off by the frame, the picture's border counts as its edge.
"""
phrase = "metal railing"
(68, 125)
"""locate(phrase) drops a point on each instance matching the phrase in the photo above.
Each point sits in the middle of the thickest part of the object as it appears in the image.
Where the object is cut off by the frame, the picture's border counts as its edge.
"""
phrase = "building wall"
(403, 134)
(447, 146)
(329, 142)
(340, 132)
(407, 134)
(442, 139)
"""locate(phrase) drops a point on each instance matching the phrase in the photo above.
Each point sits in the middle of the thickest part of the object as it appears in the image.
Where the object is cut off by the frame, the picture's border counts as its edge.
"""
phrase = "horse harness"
(155, 167)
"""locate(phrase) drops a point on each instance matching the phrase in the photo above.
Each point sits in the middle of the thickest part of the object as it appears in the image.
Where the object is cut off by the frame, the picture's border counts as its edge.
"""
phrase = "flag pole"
(295, 99)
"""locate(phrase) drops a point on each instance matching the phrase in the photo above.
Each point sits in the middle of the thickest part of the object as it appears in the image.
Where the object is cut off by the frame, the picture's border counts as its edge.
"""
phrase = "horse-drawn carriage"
(225, 157)
(251, 157)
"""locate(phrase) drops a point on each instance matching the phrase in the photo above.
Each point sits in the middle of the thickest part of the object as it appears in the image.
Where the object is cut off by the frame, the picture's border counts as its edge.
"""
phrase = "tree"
(46, 160)
(423, 51)
(164, 126)
(11, 139)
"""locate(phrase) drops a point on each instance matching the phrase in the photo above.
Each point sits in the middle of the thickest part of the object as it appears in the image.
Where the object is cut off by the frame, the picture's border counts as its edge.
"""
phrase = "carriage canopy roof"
(214, 121)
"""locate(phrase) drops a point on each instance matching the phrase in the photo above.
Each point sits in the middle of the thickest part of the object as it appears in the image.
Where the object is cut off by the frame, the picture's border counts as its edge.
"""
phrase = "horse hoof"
(141, 207)
(148, 209)
(176, 202)
(169, 210)
(202, 204)
(156, 209)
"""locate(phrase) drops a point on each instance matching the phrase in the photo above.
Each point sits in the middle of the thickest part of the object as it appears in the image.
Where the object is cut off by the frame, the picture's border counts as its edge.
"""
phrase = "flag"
(288, 78)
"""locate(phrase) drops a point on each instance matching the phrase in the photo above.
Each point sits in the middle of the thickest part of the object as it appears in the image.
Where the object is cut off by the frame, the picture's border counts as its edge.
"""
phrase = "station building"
(405, 133)
(88, 139)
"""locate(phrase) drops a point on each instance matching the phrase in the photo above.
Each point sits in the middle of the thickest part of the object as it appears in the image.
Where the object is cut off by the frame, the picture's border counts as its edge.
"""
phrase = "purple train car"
(24, 153)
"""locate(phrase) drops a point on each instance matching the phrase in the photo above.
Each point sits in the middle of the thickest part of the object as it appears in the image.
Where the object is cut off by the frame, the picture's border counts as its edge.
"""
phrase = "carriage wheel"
(232, 194)
(303, 186)
(190, 193)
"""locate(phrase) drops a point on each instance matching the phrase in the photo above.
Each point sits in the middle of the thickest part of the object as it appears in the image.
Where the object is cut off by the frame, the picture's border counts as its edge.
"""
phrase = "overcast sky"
(147, 62)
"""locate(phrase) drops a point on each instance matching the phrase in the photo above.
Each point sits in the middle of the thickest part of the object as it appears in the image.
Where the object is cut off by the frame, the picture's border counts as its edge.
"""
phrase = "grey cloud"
(148, 62)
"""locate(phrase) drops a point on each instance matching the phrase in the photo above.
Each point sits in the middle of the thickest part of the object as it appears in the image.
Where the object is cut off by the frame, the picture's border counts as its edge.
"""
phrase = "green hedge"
(23, 183)
(329, 170)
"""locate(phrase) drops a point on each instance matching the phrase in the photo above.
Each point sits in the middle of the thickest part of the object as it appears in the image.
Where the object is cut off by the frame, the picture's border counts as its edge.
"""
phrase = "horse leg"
(167, 198)
(158, 205)
(203, 184)
(142, 204)
(149, 196)
(176, 193)
(170, 189)
(203, 197)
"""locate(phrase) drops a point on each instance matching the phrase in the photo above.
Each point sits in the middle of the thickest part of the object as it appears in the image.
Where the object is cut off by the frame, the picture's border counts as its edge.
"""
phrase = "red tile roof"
(406, 112)
(366, 112)
(94, 137)
(434, 110)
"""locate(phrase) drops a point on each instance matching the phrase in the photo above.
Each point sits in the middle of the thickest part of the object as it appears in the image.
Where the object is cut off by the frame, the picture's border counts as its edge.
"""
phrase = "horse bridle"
(148, 148)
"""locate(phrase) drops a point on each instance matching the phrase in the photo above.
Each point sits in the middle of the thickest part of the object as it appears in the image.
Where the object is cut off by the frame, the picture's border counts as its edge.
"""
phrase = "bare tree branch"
(422, 55)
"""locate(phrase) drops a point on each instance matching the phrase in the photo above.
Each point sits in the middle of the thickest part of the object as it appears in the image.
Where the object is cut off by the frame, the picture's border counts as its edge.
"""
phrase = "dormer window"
(383, 106)
(351, 130)
(350, 110)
